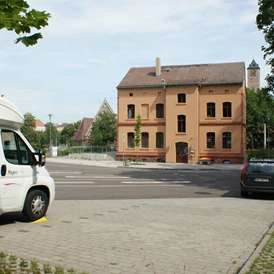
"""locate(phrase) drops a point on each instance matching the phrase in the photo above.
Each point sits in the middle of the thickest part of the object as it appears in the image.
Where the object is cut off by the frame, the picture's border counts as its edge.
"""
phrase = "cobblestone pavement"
(163, 236)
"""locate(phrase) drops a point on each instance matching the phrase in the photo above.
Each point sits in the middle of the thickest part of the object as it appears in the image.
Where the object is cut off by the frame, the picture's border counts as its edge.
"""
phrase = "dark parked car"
(257, 176)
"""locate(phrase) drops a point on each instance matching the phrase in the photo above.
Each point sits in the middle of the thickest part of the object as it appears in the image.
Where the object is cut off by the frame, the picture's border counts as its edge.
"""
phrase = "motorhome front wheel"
(36, 205)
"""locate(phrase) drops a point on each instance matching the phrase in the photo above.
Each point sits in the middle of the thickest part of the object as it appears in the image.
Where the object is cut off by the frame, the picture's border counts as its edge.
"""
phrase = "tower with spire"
(253, 76)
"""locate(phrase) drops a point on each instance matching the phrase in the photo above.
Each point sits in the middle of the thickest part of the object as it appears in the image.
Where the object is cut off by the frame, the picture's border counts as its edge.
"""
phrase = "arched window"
(181, 98)
(145, 139)
(159, 110)
(210, 109)
(159, 139)
(130, 140)
(227, 140)
(227, 109)
(130, 111)
(145, 111)
(210, 140)
(181, 123)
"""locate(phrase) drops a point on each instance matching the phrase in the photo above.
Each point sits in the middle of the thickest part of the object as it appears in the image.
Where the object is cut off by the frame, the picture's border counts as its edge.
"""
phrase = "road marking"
(113, 186)
(145, 182)
(60, 172)
(72, 182)
(180, 182)
(95, 177)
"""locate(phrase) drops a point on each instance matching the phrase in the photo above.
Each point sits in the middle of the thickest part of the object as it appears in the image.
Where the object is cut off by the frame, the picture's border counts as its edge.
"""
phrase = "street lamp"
(50, 133)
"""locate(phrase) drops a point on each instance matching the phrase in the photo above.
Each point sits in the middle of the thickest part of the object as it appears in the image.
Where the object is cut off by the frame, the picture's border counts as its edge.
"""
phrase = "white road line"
(180, 182)
(145, 182)
(60, 172)
(72, 182)
(95, 177)
(113, 186)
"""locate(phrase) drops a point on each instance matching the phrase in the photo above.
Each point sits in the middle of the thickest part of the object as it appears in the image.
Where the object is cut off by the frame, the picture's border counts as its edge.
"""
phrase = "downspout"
(198, 131)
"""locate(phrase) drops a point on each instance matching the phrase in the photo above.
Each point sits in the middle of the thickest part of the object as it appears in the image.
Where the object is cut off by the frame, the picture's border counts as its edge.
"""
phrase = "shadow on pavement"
(11, 218)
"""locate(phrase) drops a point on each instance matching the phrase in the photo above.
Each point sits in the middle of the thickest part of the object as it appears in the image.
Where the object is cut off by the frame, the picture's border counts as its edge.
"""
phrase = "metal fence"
(87, 152)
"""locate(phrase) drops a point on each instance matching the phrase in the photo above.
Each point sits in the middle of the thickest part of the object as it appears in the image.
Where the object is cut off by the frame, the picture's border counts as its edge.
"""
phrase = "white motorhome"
(25, 184)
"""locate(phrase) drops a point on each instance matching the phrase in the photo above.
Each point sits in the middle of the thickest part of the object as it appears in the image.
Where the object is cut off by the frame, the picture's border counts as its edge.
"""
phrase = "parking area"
(209, 235)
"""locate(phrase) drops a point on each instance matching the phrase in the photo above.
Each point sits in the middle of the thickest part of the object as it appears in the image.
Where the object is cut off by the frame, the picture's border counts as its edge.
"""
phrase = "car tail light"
(243, 171)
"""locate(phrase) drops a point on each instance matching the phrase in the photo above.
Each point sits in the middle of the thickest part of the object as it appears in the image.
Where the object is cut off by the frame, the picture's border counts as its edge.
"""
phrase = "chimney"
(158, 67)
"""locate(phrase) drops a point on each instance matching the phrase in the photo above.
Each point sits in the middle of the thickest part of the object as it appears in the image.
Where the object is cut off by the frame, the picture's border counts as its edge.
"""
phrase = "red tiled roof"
(205, 74)
(82, 131)
(39, 123)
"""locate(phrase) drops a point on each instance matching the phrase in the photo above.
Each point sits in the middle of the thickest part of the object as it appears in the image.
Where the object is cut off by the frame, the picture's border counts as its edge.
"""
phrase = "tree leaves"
(265, 23)
(259, 111)
(104, 129)
(16, 16)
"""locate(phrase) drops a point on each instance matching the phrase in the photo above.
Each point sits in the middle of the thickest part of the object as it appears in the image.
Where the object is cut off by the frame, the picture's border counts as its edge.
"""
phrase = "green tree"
(137, 133)
(51, 132)
(103, 132)
(16, 15)
(28, 129)
(68, 132)
(259, 111)
(265, 23)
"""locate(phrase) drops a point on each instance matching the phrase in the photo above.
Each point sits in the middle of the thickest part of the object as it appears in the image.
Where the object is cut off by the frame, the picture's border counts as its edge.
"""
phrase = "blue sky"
(90, 45)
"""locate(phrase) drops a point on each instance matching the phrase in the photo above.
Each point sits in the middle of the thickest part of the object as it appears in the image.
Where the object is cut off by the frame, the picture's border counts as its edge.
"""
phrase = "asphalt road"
(78, 182)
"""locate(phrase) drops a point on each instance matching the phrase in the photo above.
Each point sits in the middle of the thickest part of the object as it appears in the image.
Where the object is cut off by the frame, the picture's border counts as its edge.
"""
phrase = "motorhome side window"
(15, 150)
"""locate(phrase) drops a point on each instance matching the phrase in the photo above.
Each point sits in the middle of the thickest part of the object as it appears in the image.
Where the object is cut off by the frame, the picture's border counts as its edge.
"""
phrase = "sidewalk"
(155, 165)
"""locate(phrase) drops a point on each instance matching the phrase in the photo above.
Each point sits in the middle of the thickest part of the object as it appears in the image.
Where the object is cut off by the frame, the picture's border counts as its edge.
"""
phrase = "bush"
(64, 152)
(264, 153)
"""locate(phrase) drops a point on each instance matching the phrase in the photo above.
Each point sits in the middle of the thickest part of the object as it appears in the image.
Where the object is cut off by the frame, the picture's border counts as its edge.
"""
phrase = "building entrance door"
(181, 152)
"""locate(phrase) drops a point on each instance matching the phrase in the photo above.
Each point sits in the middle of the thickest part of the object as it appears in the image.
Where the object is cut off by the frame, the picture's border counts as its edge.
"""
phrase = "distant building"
(82, 134)
(253, 76)
(39, 125)
(60, 126)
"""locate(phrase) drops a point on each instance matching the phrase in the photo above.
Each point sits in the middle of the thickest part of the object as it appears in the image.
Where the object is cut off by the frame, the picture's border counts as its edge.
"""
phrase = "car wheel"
(244, 194)
(36, 205)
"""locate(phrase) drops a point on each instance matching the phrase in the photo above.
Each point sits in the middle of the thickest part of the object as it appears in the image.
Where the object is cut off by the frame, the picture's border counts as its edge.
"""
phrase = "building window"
(130, 140)
(159, 110)
(145, 111)
(159, 140)
(181, 98)
(145, 140)
(226, 109)
(210, 140)
(226, 140)
(130, 94)
(130, 111)
(181, 123)
(210, 109)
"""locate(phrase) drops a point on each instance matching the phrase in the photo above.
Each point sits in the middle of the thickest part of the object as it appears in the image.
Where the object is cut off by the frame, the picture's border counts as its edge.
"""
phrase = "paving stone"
(202, 235)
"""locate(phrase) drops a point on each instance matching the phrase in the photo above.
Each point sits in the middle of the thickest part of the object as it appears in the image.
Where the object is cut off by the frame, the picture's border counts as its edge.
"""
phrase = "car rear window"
(260, 167)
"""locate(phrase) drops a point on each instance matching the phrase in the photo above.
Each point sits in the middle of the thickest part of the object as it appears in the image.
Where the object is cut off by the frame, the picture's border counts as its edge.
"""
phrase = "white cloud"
(90, 45)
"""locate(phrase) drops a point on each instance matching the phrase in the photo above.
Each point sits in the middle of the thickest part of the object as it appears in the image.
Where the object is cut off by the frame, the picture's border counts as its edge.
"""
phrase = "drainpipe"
(198, 131)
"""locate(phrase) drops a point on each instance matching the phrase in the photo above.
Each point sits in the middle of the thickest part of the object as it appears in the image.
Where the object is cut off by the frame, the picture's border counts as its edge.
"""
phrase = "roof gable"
(105, 107)
(83, 129)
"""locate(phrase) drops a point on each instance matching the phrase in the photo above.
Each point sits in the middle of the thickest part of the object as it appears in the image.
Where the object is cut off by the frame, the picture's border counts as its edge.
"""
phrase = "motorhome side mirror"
(41, 158)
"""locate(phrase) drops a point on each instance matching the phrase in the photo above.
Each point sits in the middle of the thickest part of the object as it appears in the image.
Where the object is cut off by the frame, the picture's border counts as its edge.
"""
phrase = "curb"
(255, 254)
